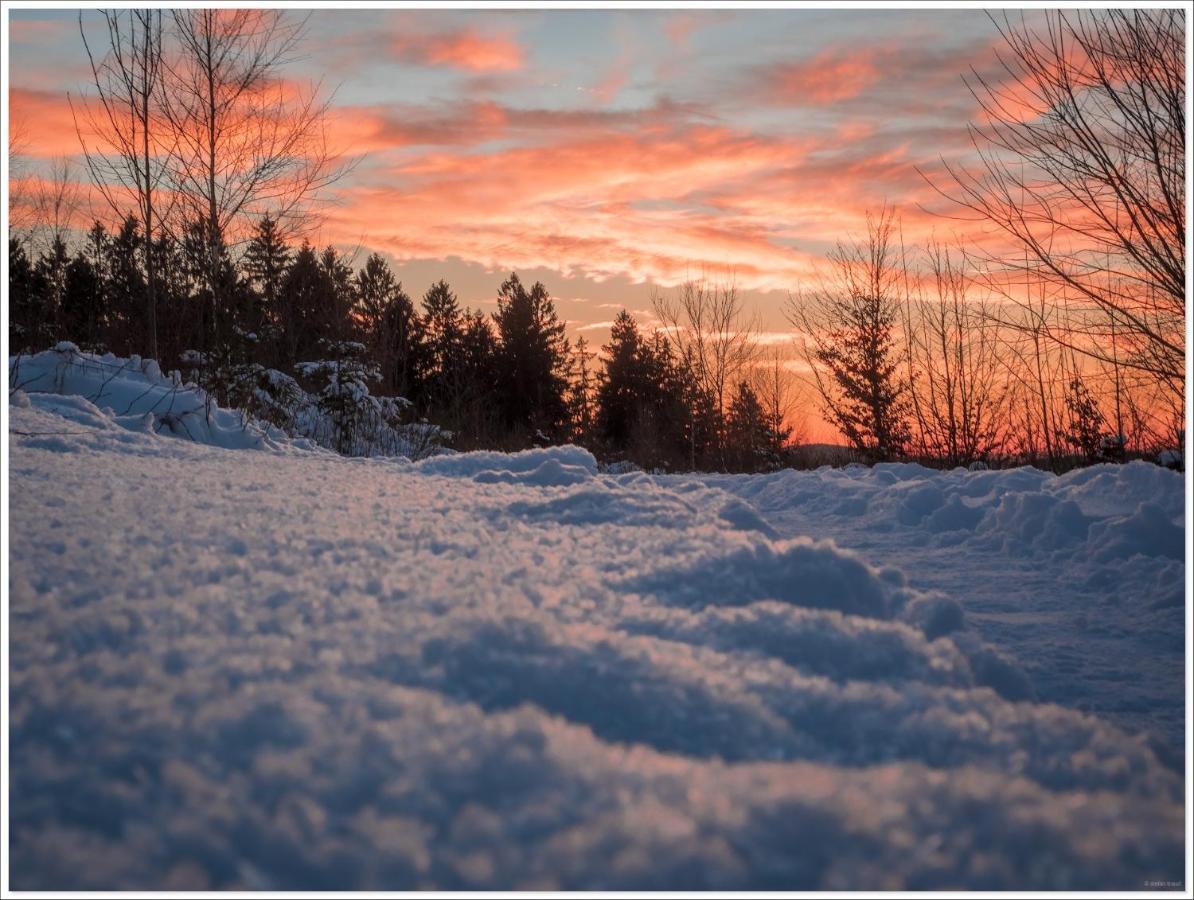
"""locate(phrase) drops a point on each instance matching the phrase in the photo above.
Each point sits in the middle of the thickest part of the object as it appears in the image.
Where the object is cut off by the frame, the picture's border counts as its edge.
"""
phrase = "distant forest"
(1067, 349)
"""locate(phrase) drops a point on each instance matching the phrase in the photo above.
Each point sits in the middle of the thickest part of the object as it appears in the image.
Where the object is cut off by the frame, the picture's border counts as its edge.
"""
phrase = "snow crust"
(291, 670)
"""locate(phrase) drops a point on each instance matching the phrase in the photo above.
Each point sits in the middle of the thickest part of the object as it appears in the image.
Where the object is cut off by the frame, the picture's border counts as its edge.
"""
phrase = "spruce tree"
(532, 360)
(50, 275)
(444, 331)
(26, 292)
(748, 433)
(581, 392)
(83, 303)
(620, 394)
(265, 261)
(299, 307)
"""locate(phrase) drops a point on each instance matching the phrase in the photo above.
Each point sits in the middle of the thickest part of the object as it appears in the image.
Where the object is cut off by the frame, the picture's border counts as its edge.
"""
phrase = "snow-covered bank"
(109, 393)
(286, 669)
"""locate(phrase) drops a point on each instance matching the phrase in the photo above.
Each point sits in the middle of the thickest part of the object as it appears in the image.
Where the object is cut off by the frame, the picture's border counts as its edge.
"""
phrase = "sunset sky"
(604, 152)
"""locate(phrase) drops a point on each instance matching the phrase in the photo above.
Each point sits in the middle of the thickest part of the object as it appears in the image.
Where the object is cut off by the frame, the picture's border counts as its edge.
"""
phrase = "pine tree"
(621, 394)
(51, 273)
(127, 288)
(375, 289)
(299, 308)
(266, 259)
(860, 356)
(444, 330)
(339, 297)
(581, 392)
(26, 293)
(1085, 432)
(83, 301)
(643, 399)
(749, 435)
(533, 359)
(473, 411)
(850, 324)
(403, 349)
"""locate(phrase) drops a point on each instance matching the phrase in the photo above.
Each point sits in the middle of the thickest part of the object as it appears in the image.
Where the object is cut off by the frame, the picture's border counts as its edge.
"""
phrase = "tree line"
(1065, 345)
(509, 379)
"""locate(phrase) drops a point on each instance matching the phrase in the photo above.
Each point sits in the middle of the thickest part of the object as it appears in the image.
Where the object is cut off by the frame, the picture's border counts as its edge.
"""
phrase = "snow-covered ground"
(1080, 577)
(273, 667)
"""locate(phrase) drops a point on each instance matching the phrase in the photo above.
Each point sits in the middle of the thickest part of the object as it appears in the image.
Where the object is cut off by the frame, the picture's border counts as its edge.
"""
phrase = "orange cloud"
(883, 78)
(593, 203)
(41, 123)
(830, 76)
(465, 49)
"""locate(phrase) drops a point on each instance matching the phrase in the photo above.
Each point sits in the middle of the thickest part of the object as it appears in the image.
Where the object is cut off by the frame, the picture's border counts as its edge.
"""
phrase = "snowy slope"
(286, 669)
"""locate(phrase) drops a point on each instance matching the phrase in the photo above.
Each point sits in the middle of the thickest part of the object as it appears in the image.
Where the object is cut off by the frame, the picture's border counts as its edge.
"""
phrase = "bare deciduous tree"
(713, 339)
(780, 394)
(1081, 151)
(957, 373)
(21, 207)
(122, 133)
(55, 198)
(245, 143)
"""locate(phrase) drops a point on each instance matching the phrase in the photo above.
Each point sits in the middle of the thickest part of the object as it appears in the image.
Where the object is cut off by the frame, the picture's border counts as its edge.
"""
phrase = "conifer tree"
(748, 433)
(266, 259)
(299, 307)
(581, 391)
(532, 359)
(620, 395)
(26, 289)
(83, 302)
(444, 330)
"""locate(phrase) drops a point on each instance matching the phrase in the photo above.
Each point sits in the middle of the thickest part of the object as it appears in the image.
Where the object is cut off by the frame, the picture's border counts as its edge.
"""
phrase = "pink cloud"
(42, 122)
(465, 49)
(832, 75)
(593, 203)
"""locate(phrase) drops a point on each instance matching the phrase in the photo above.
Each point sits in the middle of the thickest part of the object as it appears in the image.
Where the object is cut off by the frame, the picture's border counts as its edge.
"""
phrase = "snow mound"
(295, 671)
(1079, 578)
(546, 467)
(802, 572)
(104, 393)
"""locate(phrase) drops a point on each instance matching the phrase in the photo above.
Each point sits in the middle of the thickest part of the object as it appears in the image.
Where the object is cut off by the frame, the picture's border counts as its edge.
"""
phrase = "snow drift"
(291, 670)
(106, 393)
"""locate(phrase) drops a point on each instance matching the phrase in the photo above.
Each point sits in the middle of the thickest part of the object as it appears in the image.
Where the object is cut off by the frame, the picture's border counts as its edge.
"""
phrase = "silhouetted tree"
(749, 436)
(1085, 430)
(532, 359)
(299, 308)
(622, 392)
(241, 145)
(444, 331)
(122, 134)
(394, 331)
(50, 272)
(474, 412)
(83, 302)
(26, 292)
(849, 326)
(1082, 166)
(645, 401)
(266, 259)
(126, 286)
(581, 391)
